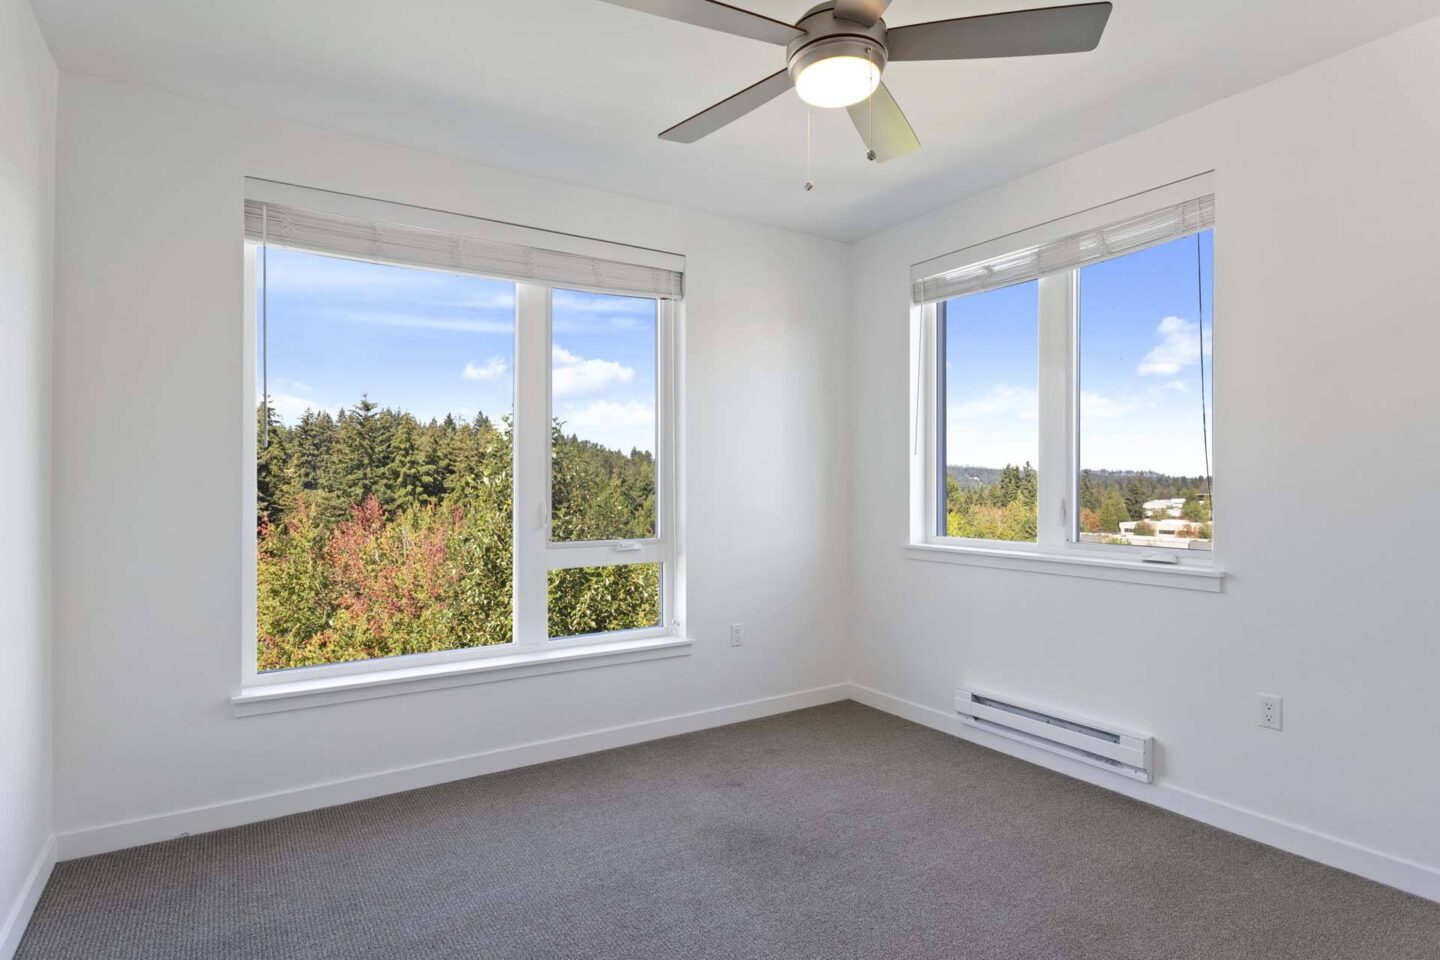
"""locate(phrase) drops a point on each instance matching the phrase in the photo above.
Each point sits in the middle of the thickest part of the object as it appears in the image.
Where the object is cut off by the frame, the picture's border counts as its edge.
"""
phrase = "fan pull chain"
(809, 184)
(870, 144)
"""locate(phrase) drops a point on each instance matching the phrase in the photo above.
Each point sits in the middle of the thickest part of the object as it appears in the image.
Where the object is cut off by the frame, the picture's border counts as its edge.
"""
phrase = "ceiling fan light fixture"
(837, 81)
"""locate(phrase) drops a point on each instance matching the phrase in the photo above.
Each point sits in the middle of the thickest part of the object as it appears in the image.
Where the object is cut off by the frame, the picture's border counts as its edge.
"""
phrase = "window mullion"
(1056, 485)
(532, 462)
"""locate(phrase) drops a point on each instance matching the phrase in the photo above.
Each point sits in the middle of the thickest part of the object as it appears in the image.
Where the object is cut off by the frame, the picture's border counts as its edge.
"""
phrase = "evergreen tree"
(1112, 511)
(356, 466)
(1137, 491)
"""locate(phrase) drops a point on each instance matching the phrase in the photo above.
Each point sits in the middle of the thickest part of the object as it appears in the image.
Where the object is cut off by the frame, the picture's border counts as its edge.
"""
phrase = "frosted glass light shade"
(837, 81)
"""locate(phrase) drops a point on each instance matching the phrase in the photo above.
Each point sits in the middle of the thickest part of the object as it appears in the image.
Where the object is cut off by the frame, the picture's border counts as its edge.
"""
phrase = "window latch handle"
(626, 546)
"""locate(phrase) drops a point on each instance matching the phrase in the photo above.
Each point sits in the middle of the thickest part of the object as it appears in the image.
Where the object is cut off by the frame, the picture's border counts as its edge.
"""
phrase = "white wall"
(1326, 454)
(27, 218)
(149, 465)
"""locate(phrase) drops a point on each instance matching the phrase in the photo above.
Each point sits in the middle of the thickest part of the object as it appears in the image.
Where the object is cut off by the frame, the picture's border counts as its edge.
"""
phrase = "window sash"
(533, 556)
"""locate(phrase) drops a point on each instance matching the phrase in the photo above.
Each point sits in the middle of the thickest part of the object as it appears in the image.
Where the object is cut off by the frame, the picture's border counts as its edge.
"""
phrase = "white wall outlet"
(737, 634)
(1271, 711)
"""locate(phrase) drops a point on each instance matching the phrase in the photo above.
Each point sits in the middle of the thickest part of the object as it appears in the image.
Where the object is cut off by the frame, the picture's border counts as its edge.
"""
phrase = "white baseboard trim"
(1393, 871)
(19, 916)
(166, 826)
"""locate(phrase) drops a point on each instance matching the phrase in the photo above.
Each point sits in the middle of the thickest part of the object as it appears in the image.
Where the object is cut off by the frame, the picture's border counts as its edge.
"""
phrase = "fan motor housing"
(827, 35)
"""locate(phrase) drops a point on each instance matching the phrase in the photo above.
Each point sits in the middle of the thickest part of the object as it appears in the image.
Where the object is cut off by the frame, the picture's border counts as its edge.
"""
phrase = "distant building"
(1164, 508)
(1169, 532)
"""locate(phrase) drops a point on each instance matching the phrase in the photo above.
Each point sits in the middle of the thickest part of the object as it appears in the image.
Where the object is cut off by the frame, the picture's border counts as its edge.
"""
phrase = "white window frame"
(1058, 548)
(531, 650)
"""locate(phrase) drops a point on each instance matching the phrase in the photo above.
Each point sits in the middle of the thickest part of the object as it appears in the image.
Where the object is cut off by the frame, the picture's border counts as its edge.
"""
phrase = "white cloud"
(293, 386)
(491, 369)
(1179, 347)
(588, 312)
(619, 426)
(575, 374)
(290, 408)
(1098, 405)
(603, 303)
(1177, 386)
(1022, 403)
(498, 300)
(412, 322)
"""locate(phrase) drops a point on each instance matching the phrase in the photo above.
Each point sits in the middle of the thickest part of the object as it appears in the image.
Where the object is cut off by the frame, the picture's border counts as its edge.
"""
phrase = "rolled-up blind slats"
(1076, 250)
(361, 239)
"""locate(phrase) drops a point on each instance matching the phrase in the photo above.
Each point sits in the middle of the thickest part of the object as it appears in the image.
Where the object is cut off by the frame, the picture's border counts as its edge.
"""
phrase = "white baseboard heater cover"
(1099, 744)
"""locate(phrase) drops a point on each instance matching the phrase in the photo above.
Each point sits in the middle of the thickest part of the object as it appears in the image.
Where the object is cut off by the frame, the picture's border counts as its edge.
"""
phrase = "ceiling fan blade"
(718, 16)
(892, 136)
(864, 12)
(1020, 33)
(730, 109)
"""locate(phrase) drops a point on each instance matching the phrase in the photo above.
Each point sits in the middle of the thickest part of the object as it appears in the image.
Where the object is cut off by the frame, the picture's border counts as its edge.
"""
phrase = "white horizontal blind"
(374, 240)
(1075, 250)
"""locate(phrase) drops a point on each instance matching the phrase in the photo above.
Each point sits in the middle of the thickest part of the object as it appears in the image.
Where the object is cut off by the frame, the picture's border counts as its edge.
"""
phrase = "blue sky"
(433, 343)
(1140, 352)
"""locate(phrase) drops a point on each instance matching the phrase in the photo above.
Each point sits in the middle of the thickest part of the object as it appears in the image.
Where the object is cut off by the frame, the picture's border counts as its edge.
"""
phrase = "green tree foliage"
(1002, 510)
(1137, 491)
(999, 504)
(1113, 511)
(378, 535)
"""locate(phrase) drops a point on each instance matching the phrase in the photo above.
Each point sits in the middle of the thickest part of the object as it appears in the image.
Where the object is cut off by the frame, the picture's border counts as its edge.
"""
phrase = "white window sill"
(300, 694)
(1207, 578)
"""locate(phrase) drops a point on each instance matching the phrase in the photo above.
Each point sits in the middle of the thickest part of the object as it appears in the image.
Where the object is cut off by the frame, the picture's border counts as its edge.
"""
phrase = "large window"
(449, 464)
(1070, 388)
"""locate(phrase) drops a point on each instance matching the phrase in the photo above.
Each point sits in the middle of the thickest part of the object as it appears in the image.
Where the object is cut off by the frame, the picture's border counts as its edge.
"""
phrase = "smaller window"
(1066, 387)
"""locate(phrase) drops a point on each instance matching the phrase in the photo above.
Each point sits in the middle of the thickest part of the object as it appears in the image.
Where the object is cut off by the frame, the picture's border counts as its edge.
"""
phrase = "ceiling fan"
(836, 52)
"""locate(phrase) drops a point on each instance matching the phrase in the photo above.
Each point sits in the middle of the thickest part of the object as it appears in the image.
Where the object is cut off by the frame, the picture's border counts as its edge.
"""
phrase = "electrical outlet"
(1271, 711)
(737, 634)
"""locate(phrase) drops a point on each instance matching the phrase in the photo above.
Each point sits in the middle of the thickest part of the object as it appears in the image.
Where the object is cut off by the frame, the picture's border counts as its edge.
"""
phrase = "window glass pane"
(1145, 396)
(990, 439)
(603, 398)
(597, 599)
(383, 519)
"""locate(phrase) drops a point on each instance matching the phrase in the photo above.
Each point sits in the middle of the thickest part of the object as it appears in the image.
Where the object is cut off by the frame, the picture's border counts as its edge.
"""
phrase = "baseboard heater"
(1098, 744)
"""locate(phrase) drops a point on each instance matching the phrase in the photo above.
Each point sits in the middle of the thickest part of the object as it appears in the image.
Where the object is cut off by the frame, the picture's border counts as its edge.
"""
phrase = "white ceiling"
(576, 90)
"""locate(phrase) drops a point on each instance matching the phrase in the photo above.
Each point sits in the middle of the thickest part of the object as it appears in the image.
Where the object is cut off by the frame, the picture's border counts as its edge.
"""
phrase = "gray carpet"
(832, 833)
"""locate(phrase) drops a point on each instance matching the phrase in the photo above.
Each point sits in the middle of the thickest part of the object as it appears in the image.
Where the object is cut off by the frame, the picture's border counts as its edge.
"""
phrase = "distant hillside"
(973, 478)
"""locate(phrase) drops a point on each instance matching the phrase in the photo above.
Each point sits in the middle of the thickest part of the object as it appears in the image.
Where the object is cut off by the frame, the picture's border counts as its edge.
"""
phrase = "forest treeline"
(999, 504)
(380, 535)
